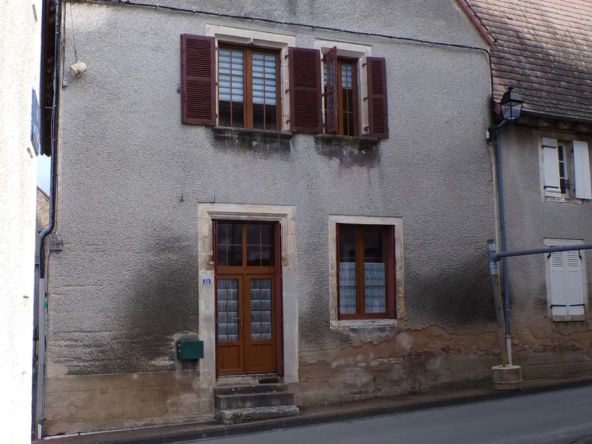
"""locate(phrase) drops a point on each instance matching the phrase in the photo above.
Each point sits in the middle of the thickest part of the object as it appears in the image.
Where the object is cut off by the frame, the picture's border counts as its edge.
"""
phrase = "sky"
(43, 169)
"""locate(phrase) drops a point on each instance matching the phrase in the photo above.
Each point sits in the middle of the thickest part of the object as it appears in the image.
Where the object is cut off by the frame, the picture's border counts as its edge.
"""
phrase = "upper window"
(248, 93)
(343, 93)
(366, 271)
(241, 87)
(566, 169)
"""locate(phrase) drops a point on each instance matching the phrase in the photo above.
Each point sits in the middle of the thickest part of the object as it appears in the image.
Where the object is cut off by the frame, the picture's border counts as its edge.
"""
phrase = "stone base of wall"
(89, 403)
(326, 383)
(554, 365)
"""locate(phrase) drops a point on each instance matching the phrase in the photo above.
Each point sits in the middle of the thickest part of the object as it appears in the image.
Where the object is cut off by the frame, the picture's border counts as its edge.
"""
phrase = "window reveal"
(248, 91)
(563, 177)
(365, 271)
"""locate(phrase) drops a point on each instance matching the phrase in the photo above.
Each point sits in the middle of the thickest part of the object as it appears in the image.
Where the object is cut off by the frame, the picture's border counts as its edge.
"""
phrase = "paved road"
(556, 417)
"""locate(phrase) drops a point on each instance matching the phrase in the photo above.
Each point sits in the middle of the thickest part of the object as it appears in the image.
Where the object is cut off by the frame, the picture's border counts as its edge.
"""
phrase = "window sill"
(569, 318)
(573, 200)
(251, 134)
(358, 142)
(363, 323)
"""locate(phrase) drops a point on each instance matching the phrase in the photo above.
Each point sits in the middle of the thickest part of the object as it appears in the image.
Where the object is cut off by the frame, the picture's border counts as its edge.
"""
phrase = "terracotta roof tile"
(543, 48)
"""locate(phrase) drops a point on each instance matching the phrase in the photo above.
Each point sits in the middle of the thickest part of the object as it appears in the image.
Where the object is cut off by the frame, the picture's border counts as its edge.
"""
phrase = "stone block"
(238, 416)
(507, 377)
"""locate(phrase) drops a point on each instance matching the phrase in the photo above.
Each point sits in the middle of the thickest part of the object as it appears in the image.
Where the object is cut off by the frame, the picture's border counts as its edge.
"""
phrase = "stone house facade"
(541, 50)
(305, 191)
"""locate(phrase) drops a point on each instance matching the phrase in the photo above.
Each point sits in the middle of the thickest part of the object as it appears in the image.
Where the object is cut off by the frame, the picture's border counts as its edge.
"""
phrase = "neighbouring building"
(20, 55)
(304, 189)
(542, 49)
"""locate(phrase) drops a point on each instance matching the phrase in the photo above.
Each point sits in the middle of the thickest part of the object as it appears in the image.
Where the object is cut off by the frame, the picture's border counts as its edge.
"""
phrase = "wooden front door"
(248, 297)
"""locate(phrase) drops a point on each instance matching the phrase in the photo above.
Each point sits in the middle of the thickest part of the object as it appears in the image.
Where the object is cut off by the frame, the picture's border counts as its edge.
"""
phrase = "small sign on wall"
(207, 281)
(35, 123)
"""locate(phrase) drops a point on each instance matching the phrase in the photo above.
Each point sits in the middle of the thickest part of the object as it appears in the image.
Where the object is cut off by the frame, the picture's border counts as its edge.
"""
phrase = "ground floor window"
(366, 271)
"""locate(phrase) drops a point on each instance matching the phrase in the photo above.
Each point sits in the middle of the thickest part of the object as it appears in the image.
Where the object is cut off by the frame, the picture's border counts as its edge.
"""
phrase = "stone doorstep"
(317, 415)
(239, 416)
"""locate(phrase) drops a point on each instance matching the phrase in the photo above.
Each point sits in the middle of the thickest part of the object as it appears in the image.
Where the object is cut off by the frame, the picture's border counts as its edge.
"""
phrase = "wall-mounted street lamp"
(511, 104)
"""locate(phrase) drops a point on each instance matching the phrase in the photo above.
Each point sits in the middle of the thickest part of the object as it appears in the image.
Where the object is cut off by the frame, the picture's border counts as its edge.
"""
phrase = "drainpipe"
(502, 216)
(41, 296)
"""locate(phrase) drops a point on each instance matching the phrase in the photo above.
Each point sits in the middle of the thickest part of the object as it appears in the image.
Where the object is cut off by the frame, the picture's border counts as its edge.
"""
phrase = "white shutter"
(551, 159)
(582, 170)
(573, 283)
(558, 299)
(567, 296)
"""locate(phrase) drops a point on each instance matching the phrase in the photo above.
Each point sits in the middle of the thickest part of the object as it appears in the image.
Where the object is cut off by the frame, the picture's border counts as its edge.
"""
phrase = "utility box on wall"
(190, 349)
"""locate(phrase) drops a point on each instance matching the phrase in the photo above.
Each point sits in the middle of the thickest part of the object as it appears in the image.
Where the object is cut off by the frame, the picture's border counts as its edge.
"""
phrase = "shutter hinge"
(364, 64)
(365, 98)
(287, 90)
(286, 57)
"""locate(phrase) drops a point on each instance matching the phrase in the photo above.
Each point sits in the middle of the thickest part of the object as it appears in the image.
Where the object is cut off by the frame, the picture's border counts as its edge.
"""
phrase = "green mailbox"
(190, 349)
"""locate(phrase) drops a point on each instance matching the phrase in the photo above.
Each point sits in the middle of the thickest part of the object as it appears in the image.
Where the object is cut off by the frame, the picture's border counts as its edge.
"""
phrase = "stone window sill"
(569, 318)
(563, 199)
(363, 323)
(251, 134)
(358, 142)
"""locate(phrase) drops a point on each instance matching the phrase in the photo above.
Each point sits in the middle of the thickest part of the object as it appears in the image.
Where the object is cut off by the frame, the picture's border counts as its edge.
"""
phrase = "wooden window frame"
(340, 120)
(390, 258)
(244, 268)
(248, 83)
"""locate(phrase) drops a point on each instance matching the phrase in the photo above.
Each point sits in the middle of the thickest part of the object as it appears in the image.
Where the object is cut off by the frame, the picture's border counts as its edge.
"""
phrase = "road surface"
(563, 416)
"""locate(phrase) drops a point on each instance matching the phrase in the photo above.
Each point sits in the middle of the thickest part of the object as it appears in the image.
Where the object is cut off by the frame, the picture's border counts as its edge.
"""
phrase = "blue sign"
(207, 281)
(35, 124)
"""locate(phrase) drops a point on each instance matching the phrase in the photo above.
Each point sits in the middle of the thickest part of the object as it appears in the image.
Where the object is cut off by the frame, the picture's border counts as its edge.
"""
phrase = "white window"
(566, 282)
(566, 169)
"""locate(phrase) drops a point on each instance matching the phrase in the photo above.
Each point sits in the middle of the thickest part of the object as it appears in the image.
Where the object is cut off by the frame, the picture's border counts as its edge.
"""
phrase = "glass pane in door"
(260, 309)
(228, 316)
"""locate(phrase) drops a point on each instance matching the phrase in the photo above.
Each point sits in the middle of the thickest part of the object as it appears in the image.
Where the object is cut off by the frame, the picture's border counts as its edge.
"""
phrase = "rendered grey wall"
(530, 220)
(131, 176)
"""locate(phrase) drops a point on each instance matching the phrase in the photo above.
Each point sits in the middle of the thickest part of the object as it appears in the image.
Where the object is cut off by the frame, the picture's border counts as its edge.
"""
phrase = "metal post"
(497, 298)
(40, 360)
(502, 215)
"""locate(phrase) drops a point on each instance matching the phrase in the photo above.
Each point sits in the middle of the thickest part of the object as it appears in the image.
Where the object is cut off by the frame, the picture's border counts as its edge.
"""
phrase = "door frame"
(286, 216)
(244, 274)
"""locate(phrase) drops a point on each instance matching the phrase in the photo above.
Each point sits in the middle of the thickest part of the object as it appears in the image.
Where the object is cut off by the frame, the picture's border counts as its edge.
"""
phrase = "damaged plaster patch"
(56, 369)
(404, 341)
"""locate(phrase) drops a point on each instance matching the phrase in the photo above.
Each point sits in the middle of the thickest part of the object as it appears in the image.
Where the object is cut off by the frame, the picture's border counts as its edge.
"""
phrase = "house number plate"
(207, 281)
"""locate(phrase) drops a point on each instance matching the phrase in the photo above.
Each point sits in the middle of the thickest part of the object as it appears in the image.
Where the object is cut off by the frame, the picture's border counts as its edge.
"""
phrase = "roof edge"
(45, 195)
(476, 22)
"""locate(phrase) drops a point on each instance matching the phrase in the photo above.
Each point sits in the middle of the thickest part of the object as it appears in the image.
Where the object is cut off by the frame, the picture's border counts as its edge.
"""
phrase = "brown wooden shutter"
(377, 97)
(305, 91)
(331, 122)
(279, 297)
(391, 278)
(198, 79)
